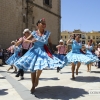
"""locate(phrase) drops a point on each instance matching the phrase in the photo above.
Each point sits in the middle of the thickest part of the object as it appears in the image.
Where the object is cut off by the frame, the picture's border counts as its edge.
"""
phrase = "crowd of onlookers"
(5, 54)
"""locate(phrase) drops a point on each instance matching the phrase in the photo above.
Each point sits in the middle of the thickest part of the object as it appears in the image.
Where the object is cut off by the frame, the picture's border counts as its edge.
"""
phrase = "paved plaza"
(52, 85)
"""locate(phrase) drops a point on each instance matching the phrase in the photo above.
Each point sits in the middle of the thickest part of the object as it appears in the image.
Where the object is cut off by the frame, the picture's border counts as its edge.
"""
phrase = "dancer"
(14, 58)
(76, 56)
(62, 50)
(25, 47)
(90, 52)
(11, 48)
(38, 57)
(11, 52)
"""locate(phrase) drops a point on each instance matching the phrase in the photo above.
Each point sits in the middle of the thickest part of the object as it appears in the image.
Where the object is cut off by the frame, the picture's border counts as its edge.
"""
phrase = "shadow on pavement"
(87, 79)
(2, 78)
(2, 92)
(67, 72)
(46, 79)
(95, 71)
(2, 71)
(27, 72)
(59, 92)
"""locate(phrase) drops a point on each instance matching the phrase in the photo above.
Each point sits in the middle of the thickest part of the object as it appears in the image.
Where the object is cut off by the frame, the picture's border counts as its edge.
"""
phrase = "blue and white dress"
(36, 58)
(62, 58)
(90, 54)
(75, 55)
(11, 60)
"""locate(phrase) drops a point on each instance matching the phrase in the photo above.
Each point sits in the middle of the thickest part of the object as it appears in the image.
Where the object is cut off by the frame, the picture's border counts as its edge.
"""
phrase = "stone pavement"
(52, 85)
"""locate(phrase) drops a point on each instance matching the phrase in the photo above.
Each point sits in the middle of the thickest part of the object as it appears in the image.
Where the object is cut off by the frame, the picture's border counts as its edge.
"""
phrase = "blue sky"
(80, 14)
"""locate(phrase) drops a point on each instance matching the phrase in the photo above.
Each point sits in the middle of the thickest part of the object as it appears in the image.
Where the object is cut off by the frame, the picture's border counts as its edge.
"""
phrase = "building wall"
(52, 16)
(13, 12)
(10, 21)
(85, 36)
(65, 35)
(95, 36)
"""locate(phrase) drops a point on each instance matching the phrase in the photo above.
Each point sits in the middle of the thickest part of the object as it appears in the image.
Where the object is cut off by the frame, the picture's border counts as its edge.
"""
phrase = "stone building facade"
(16, 15)
(84, 36)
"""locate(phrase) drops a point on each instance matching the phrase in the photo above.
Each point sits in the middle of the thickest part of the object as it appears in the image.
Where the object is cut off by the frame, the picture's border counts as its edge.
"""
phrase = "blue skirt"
(78, 57)
(37, 59)
(92, 56)
(62, 58)
(11, 60)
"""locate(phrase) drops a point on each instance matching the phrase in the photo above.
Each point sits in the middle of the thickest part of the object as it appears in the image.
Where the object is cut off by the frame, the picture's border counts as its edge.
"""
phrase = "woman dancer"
(90, 52)
(76, 56)
(11, 48)
(14, 57)
(38, 57)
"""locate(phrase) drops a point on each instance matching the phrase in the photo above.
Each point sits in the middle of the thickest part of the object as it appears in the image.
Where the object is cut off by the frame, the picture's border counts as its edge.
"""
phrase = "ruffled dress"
(75, 55)
(62, 57)
(90, 54)
(17, 54)
(37, 58)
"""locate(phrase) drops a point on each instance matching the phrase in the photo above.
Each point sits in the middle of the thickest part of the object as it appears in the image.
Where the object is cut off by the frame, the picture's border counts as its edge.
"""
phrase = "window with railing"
(96, 37)
(47, 3)
(93, 37)
(83, 36)
(88, 37)
(83, 42)
(97, 42)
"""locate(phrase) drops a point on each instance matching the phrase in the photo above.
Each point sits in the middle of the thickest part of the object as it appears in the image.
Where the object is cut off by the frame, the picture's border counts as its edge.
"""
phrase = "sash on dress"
(48, 51)
(19, 54)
